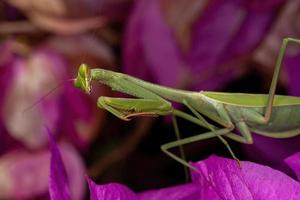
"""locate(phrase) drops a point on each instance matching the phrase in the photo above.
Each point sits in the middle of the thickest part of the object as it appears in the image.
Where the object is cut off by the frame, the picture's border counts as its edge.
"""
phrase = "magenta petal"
(160, 47)
(58, 183)
(24, 125)
(133, 55)
(260, 151)
(150, 48)
(111, 191)
(252, 181)
(114, 191)
(181, 192)
(25, 174)
(294, 163)
(213, 32)
(293, 71)
(250, 33)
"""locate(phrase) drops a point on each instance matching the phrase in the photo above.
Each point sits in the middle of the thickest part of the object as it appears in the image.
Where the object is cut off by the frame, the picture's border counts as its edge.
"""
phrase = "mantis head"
(83, 79)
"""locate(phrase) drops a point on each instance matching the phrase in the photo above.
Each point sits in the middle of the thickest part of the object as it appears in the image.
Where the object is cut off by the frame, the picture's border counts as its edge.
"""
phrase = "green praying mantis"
(270, 115)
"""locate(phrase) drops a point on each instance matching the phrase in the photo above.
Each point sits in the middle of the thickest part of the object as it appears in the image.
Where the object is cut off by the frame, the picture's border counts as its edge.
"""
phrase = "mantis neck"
(172, 94)
(117, 81)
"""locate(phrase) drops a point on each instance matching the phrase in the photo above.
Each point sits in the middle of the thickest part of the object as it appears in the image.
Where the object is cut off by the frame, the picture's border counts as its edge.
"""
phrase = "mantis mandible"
(270, 115)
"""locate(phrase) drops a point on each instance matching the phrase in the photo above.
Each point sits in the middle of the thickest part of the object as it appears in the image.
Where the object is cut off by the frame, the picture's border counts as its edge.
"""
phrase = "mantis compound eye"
(83, 79)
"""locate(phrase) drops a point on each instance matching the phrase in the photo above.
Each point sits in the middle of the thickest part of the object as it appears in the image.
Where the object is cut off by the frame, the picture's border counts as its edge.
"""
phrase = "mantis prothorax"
(270, 115)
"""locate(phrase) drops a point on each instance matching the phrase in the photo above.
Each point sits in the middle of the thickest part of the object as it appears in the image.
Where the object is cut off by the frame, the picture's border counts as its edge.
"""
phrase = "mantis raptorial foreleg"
(126, 108)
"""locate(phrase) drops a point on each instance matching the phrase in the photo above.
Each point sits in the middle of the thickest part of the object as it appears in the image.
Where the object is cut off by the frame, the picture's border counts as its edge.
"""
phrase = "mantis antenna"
(46, 95)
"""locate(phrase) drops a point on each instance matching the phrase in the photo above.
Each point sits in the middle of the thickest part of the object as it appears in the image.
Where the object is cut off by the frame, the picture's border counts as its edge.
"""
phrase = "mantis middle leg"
(211, 127)
(165, 147)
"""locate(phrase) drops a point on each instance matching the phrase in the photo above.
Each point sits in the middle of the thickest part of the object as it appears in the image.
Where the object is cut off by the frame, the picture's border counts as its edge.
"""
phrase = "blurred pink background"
(195, 45)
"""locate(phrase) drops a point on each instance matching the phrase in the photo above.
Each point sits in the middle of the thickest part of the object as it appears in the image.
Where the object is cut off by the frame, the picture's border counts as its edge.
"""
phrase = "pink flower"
(110, 191)
(204, 45)
(58, 181)
(30, 79)
(27, 75)
(220, 178)
(226, 180)
(71, 17)
(24, 174)
(216, 178)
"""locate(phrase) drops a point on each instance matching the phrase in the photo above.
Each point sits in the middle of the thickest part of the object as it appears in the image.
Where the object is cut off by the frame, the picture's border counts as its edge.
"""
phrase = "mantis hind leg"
(278, 65)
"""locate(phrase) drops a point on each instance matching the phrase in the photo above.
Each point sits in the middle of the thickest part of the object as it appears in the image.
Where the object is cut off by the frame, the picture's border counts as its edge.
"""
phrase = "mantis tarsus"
(270, 115)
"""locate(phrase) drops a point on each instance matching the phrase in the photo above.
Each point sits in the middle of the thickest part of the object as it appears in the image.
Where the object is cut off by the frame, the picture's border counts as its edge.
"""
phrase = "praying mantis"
(270, 115)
